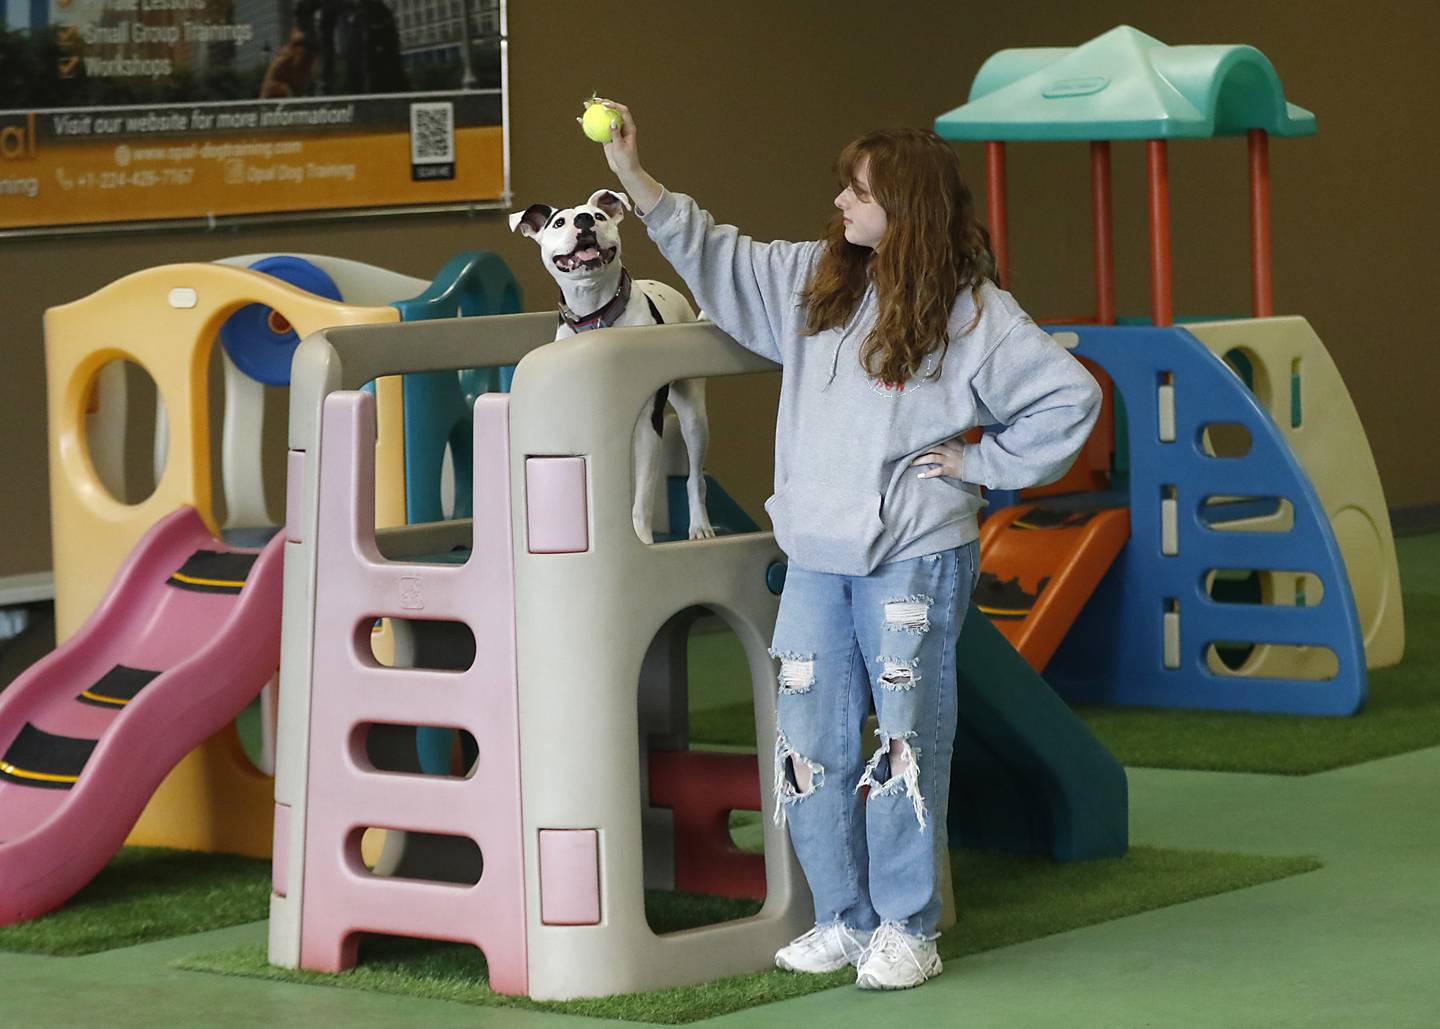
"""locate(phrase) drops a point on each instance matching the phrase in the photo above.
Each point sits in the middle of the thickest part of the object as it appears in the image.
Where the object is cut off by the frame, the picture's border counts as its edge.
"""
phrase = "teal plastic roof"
(1125, 85)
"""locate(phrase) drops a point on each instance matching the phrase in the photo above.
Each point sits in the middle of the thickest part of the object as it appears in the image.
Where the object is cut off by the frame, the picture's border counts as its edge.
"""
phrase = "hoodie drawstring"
(854, 321)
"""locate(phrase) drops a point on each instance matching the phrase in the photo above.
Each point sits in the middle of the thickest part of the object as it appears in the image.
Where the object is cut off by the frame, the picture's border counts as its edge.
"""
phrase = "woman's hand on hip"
(946, 458)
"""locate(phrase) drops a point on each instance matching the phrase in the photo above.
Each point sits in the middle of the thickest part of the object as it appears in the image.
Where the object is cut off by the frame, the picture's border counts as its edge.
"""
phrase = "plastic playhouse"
(1223, 541)
(583, 790)
(126, 730)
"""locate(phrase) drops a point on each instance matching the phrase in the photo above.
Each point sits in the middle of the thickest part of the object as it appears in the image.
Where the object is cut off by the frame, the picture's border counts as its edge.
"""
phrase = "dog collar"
(606, 316)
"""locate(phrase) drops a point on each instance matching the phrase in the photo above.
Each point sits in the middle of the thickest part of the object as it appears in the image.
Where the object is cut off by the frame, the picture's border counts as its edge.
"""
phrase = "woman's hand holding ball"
(611, 123)
(599, 121)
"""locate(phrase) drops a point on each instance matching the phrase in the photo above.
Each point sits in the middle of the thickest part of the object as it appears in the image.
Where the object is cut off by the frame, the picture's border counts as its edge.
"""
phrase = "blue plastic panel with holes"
(438, 404)
(1116, 651)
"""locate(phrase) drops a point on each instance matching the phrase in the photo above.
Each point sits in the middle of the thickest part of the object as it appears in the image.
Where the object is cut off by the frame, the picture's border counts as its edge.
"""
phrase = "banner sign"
(121, 111)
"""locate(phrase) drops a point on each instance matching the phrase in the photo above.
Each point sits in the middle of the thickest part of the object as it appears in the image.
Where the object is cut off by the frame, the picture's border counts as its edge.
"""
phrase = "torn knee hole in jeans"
(797, 671)
(909, 614)
(903, 765)
(796, 777)
(898, 673)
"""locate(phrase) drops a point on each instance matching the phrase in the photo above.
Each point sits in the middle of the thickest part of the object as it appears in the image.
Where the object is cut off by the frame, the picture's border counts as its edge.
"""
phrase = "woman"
(893, 342)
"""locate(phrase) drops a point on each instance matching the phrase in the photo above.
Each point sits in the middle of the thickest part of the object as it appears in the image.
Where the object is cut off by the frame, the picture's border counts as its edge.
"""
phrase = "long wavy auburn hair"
(931, 250)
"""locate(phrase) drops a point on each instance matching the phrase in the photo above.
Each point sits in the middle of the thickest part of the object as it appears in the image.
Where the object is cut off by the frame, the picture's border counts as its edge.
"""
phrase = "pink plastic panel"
(569, 876)
(295, 496)
(556, 518)
(280, 859)
(355, 584)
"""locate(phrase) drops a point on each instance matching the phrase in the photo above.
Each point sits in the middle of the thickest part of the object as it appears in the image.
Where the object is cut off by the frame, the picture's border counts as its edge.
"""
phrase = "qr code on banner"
(432, 133)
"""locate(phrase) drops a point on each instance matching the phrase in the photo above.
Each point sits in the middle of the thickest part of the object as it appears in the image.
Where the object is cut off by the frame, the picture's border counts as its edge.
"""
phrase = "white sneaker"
(895, 960)
(825, 948)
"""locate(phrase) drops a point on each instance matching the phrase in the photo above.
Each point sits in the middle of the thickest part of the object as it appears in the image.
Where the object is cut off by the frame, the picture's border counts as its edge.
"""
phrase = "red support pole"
(995, 198)
(1103, 235)
(1261, 287)
(1162, 305)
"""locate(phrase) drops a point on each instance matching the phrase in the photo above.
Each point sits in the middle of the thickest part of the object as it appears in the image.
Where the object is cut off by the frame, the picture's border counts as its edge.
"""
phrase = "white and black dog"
(580, 247)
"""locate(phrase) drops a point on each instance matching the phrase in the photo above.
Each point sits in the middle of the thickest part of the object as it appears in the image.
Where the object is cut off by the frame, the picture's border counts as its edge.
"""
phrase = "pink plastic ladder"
(355, 585)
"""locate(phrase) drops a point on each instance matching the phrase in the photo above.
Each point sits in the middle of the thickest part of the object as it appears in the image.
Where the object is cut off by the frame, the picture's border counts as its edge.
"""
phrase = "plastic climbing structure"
(1223, 540)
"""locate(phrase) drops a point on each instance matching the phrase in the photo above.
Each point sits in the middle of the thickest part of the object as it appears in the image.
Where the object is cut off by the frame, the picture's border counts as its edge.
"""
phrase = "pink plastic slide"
(186, 636)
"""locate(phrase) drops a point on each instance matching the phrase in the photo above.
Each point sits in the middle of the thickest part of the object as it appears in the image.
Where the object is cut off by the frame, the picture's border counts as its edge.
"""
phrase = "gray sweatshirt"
(846, 499)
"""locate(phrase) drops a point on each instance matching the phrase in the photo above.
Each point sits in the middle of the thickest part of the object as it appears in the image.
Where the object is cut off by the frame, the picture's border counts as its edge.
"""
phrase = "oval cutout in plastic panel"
(1225, 440)
(399, 853)
(1246, 659)
(438, 750)
(1264, 586)
(125, 437)
(430, 644)
(1247, 514)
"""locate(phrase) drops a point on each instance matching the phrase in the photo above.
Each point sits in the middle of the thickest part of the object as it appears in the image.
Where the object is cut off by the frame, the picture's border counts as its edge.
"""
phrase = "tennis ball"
(596, 122)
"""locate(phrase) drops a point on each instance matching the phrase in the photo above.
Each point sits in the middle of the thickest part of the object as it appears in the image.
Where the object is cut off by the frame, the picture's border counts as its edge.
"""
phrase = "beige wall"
(745, 104)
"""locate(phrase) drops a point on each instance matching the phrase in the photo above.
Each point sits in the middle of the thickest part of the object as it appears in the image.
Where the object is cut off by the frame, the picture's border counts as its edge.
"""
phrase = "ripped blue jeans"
(875, 854)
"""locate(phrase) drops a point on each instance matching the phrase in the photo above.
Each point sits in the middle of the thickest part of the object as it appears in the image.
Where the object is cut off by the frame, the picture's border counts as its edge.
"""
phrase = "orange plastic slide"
(1039, 566)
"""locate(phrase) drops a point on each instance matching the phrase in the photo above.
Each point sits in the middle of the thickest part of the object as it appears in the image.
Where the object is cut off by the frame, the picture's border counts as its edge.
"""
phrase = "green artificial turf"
(728, 725)
(716, 673)
(1402, 714)
(145, 894)
(1004, 899)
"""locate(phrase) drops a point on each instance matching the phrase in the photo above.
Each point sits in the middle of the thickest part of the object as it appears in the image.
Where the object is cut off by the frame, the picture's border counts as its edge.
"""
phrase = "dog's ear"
(531, 220)
(611, 201)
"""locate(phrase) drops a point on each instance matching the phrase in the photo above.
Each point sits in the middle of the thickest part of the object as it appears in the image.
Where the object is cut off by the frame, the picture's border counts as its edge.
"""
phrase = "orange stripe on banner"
(88, 182)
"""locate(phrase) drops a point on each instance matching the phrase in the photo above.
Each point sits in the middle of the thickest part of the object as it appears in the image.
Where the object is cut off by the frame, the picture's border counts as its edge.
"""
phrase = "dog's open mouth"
(587, 254)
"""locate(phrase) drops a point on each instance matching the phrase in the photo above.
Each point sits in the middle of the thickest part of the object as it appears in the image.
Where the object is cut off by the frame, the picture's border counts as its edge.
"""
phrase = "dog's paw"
(702, 532)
